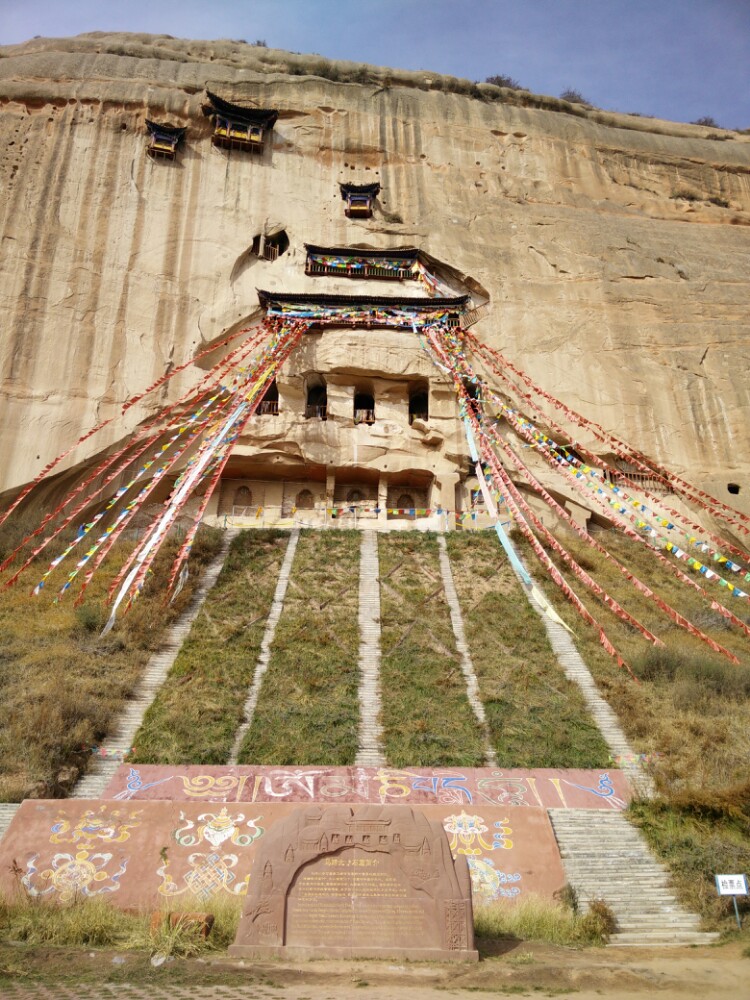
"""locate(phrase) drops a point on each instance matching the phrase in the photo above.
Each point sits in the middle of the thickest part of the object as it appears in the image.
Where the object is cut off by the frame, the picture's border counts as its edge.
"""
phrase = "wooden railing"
(364, 416)
(319, 410)
(369, 271)
(268, 408)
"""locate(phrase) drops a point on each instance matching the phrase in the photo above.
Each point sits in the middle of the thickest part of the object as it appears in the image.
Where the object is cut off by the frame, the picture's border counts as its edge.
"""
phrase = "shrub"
(501, 80)
(573, 96)
(534, 918)
(706, 122)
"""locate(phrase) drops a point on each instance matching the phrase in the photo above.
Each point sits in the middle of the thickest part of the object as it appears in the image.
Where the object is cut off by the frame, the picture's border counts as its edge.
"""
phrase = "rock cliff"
(613, 250)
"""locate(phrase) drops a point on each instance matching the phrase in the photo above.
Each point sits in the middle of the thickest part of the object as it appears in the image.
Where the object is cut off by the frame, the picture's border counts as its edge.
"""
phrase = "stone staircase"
(370, 753)
(118, 744)
(7, 811)
(605, 857)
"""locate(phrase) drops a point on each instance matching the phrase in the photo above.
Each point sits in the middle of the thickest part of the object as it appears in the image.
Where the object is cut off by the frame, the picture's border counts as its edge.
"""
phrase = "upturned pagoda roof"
(349, 301)
(174, 130)
(371, 189)
(402, 253)
(265, 117)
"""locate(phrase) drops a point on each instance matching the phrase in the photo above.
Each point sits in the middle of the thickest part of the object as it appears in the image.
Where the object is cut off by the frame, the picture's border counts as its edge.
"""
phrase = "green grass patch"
(61, 685)
(308, 710)
(196, 713)
(427, 719)
(536, 716)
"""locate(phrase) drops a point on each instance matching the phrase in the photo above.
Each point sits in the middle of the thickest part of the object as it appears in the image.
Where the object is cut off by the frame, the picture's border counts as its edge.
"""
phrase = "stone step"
(102, 769)
(654, 939)
(7, 811)
(369, 752)
(620, 869)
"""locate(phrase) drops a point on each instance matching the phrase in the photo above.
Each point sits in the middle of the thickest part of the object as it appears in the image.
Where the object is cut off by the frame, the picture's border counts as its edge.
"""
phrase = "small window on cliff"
(305, 500)
(269, 405)
(418, 405)
(270, 247)
(364, 408)
(317, 399)
(734, 488)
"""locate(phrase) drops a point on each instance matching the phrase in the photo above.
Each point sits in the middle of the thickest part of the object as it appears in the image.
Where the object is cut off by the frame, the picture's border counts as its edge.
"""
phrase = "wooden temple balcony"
(237, 135)
(364, 416)
(163, 140)
(362, 271)
(240, 128)
(317, 411)
(359, 199)
(369, 311)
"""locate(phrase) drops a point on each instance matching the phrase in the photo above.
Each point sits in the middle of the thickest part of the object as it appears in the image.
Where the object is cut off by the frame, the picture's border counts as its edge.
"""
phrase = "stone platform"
(163, 833)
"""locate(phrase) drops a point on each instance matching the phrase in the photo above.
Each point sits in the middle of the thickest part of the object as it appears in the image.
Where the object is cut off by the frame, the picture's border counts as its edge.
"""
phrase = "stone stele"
(362, 882)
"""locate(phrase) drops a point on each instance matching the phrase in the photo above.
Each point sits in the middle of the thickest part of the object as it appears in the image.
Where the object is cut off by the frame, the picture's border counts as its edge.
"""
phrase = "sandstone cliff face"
(613, 278)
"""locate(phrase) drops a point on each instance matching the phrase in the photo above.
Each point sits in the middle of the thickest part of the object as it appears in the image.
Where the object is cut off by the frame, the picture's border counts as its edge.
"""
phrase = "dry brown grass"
(690, 707)
(61, 684)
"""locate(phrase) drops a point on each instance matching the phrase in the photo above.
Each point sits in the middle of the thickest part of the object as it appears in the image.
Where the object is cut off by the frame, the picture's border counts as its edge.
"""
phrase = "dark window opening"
(364, 408)
(270, 247)
(305, 500)
(243, 500)
(355, 496)
(471, 389)
(418, 406)
(317, 402)
(734, 488)
(269, 405)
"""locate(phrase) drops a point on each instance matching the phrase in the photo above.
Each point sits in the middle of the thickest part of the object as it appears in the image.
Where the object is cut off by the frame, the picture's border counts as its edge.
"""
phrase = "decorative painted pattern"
(542, 789)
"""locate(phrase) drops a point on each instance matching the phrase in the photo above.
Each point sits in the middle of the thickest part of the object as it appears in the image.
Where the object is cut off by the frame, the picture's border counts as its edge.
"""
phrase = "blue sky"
(678, 59)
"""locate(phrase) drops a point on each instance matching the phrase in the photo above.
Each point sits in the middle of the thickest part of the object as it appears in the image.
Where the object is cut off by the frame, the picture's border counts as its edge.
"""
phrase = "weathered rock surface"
(614, 250)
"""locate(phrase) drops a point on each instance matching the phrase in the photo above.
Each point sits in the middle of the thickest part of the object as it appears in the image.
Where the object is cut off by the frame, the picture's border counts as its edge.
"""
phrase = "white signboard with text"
(731, 885)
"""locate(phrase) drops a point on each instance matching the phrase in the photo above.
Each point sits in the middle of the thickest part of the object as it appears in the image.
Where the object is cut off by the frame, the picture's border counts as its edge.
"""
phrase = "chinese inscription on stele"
(357, 882)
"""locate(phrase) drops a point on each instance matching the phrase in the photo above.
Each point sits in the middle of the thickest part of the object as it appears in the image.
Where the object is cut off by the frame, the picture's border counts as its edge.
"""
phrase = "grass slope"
(308, 711)
(690, 712)
(427, 719)
(691, 706)
(195, 714)
(537, 717)
(61, 685)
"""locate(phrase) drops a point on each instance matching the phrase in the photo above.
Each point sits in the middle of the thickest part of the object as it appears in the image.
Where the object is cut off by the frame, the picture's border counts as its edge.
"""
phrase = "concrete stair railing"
(462, 647)
(605, 857)
(370, 752)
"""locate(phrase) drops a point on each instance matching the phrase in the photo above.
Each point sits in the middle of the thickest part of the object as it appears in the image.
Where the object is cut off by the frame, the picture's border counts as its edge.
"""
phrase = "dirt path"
(521, 970)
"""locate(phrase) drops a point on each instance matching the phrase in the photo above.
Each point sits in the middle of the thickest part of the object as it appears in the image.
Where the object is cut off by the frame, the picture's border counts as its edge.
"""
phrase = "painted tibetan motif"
(141, 855)
(471, 836)
(212, 871)
(87, 870)
(542, 789)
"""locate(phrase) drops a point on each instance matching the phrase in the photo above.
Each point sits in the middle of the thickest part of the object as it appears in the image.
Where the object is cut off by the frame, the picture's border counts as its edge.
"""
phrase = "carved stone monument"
(365, 882)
